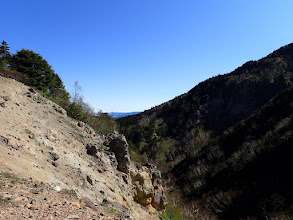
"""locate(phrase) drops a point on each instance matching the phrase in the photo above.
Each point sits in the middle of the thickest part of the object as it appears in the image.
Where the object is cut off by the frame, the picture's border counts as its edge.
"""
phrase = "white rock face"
(57, 188)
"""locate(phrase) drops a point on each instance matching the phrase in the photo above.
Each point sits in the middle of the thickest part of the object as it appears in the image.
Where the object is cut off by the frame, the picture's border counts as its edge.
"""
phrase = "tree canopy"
(34, 66)
(4, 54)
(42, 77)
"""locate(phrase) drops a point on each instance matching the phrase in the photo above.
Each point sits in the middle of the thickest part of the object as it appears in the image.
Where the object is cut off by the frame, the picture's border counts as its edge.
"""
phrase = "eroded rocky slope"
(39, 141)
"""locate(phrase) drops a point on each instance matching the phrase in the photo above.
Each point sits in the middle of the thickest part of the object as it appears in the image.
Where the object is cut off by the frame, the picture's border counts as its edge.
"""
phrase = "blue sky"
(131, 55)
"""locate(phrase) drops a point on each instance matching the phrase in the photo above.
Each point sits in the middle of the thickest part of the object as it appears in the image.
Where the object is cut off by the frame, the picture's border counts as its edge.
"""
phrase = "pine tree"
(37, 69)
(4, 54)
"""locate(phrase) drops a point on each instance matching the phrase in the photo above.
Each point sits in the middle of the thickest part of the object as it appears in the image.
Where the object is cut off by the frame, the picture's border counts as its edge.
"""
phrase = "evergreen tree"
(40, 73)
(4, 54)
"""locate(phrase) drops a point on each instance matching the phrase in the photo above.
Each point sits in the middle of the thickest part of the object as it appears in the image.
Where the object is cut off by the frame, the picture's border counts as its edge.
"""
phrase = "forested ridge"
(225, 141)
(246, 171)
(191, 119)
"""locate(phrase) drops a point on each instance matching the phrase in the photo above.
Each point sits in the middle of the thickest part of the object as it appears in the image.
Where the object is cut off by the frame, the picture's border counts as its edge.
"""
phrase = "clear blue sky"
(131, 55)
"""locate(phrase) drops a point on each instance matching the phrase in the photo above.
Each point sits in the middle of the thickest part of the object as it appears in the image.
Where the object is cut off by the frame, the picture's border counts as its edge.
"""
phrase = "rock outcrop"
(148, 190)
(119, 145)
(144, 181)
(144, 189)
(159, 200)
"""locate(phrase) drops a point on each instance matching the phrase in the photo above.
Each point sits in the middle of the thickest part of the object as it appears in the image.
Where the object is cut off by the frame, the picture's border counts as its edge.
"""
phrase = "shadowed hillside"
(246, 171)
(227, 142)
(169, 132)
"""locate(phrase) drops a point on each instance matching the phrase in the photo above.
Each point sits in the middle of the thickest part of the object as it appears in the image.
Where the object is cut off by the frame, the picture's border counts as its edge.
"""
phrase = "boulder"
(144, 189)
(89, 203)
(104, 159)
(148, 190)
(4, 140)
(159, 201)
(59, 109)
(119, 146)
(156, 174)
(123, 212)
(80, 124)
(32, 90)
(6, 98)
(92, 148)
(89, 130)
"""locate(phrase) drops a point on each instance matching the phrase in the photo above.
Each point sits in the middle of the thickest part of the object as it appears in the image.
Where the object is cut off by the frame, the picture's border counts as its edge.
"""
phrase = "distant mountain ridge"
(116, 115)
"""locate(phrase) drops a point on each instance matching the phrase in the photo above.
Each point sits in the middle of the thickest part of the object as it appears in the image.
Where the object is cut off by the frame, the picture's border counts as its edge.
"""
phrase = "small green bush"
(71, 193)
(172, 212)
(3, 201)
(8, 175)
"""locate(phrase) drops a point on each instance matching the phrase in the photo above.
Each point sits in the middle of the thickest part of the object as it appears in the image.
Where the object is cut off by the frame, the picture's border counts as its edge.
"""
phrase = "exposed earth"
(40, 143)
(27, 199)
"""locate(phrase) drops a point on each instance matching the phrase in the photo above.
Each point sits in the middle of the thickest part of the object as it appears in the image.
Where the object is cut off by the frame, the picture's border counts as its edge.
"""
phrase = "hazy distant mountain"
(116, 115)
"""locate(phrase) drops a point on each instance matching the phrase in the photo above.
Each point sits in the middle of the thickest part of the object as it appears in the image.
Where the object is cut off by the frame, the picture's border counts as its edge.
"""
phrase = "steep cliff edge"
(39, 141)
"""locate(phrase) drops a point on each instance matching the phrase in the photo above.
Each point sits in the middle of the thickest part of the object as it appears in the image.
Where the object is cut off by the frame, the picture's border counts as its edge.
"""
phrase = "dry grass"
(14, 75)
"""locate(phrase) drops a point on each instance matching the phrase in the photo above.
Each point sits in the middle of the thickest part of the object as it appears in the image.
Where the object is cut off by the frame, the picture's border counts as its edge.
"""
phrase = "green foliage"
(3, 201)
(231, 170)
(12, 177)
(172, 212)
(115, 212)
(37, 69)
(102, 123)
(61, 97)
(133, 155)
(164, 149)
(149, 143)
(75, 111)
(32, 69)
(2, 184)
(4, 54)
(212, 106)
(70, 193)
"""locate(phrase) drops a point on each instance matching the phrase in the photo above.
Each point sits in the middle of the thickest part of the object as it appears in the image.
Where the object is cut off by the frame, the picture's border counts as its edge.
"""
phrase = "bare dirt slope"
(27, 199)
(39, 141)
